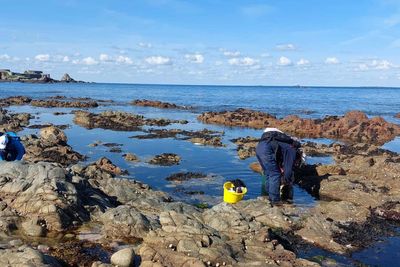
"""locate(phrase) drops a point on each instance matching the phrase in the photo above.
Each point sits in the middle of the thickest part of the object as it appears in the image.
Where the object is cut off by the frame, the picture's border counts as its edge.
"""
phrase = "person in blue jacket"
(11, 147)
(277, 154)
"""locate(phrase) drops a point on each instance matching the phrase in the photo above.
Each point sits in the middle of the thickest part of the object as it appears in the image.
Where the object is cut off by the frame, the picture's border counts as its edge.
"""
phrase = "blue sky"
(280, 42)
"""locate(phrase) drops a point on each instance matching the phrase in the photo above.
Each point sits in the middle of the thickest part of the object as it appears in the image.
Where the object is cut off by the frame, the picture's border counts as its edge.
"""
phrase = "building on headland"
(27, 76)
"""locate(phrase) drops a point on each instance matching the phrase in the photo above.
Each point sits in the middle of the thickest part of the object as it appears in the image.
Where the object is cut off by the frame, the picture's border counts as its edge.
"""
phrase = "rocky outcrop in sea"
(354, 126)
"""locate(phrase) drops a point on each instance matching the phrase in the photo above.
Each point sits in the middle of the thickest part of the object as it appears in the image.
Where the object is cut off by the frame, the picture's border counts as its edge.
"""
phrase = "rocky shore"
(57, 211)
(354, 126)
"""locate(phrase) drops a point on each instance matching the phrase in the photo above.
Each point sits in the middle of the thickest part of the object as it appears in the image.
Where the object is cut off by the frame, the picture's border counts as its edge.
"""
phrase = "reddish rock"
(156, 104)
(106, 165)
(354, 126)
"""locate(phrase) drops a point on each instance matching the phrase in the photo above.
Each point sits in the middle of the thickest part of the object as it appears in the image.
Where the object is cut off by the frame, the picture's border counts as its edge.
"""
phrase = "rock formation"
(157, 104)
(51, 146)
(120, 121)
(166, 159)
(354, 126)
(67, 79)
(13, 122)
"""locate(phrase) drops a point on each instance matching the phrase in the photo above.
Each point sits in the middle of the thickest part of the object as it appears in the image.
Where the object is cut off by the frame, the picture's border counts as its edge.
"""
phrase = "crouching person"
(11, 147)
(277, 154)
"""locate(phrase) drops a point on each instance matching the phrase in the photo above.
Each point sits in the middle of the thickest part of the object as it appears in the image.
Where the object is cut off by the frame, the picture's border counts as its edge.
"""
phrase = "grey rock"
(124, 257)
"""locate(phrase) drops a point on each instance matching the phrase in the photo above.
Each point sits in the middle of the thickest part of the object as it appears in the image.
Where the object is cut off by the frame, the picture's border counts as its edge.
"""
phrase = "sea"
(219, 164)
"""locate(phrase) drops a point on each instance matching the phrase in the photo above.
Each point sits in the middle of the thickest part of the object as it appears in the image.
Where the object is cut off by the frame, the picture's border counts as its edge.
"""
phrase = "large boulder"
(25, 257)
(43, 191)
(67, 79)
(13, 121)
(45, 198)
(51, 146)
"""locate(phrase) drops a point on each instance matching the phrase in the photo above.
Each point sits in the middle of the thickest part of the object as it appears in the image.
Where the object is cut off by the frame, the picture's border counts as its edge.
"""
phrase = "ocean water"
(220, 164)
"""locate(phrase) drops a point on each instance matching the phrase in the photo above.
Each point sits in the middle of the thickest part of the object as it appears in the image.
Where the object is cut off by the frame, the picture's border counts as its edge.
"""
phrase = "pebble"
(124, 257)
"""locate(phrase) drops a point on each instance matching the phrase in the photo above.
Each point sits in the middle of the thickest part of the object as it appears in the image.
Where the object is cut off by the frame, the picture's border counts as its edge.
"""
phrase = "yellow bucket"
(232, 197)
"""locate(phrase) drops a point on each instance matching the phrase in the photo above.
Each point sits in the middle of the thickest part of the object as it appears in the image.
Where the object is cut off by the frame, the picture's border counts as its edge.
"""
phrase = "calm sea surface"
(221, 164)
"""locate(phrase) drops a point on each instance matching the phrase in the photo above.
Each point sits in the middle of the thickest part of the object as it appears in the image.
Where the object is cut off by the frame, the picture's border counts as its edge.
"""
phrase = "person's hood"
(268, 129)
(3, 141)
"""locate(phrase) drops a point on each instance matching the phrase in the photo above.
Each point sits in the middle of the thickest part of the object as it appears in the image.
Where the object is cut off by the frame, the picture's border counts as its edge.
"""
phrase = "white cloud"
(265, 55)
(218, 63)
(377, 65)
(231, 53)
(65, 59)
(245, 61)
(284, 61)
(332, 61)
(286, 47)
(145, 45)
(363, 67)
(124, 60)
(158, 60)
(42, 57)
(303, 62)
(89, 61)
(382, 64)
(195, 58)
(104, 58)
(5, 57)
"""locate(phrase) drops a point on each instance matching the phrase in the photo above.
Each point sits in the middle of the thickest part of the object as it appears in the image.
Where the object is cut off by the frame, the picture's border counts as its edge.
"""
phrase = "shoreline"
(116, 202)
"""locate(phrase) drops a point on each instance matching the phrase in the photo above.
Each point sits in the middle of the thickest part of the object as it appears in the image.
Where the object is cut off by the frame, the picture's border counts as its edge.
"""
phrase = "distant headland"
(33, 76)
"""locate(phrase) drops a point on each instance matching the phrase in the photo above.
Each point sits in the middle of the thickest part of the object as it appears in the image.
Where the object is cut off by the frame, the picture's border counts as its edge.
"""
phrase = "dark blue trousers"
(266, 156)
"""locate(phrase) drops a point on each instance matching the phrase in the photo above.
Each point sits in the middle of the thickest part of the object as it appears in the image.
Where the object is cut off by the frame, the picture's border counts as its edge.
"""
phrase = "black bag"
(238, 183)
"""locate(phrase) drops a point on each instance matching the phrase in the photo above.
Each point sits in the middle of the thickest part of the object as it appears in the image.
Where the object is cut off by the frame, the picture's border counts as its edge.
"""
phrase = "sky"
(222, 42)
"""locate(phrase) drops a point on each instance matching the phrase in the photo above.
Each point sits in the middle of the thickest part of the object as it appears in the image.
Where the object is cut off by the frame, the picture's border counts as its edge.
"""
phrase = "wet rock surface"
(131, 157)
(358, 194)
(25, 256)
(166, 159)
(354, 126)
(13, 121)
(15, 101)
(53, 103)
(157, 104)
(203, 137)
(119, 121)
(50, 146)
(41, 126)
(184, 176)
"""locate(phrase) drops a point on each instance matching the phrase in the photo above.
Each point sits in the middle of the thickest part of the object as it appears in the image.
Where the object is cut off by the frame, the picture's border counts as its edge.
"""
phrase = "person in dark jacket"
(11, 147)
(277, 154)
